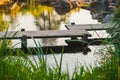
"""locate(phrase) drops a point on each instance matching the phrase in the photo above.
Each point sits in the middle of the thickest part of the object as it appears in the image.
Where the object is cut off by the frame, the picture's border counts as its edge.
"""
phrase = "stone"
(61, 6)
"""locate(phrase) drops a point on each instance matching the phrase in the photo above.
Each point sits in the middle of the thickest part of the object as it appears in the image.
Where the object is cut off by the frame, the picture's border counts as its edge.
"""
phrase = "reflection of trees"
(11, 9)
(48, 21)
(14, 11)
(3, 23)
(45, 17)
(3, 27)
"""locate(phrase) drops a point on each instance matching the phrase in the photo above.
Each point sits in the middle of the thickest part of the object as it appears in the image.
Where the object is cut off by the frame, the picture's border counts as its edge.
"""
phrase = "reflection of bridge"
(73, 31)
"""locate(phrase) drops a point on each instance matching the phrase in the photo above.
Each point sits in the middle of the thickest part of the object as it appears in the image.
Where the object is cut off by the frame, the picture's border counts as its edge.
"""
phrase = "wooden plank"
(44, 34)
(10, 35)
(88, 27)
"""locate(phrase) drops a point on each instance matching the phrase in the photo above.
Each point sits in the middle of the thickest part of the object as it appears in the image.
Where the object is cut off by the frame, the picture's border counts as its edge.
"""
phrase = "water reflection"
(82, 17)
(3, 23)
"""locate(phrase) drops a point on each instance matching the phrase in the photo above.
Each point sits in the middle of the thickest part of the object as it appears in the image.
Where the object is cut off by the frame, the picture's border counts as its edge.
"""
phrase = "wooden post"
(85, 41)
(24, 42)
(22, 29)
(85, 37)
(72, 23)
(73, 38)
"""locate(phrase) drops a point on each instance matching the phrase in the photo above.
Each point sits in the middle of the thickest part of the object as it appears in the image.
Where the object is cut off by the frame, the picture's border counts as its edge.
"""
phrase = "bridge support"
(24, 42)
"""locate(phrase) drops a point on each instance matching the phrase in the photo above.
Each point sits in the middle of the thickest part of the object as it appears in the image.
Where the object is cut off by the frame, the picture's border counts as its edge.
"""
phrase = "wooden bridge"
(73, 32)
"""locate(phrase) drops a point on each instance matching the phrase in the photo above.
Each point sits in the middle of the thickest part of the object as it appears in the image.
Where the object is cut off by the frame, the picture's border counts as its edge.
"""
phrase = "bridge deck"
(88, 27)
(43, 34)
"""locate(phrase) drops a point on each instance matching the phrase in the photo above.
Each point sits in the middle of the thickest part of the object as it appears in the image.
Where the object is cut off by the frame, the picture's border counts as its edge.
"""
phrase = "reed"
(115, 40)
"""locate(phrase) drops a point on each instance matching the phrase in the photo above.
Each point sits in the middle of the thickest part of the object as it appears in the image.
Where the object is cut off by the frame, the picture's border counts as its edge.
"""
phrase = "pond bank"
(103, 10)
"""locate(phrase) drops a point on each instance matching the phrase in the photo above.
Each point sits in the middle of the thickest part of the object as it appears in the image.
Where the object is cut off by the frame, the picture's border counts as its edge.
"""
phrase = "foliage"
(116, 37)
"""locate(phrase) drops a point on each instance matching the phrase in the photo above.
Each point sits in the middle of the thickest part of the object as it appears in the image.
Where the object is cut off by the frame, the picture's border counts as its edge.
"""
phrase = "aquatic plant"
(116, 37)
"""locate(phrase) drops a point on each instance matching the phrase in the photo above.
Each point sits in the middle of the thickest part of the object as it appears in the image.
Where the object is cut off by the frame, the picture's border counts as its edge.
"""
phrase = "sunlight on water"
(23, 22)
(82, 17)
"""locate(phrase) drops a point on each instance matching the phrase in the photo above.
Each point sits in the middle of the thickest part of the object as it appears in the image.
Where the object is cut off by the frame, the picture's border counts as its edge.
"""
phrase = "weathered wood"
(88, 27)
(43, 34)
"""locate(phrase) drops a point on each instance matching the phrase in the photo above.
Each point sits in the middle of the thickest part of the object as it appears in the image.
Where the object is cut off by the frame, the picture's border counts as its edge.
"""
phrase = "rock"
(99, 5)
(97, 16)
(107, 18)
(61, 6)
(103, 9)
(111, 8)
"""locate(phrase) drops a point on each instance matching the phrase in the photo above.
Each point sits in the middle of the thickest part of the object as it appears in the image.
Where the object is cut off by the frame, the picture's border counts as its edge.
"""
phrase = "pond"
(46, 18)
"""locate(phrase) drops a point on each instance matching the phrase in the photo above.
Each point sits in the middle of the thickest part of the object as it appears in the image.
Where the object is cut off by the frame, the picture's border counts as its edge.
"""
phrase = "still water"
(50, 20)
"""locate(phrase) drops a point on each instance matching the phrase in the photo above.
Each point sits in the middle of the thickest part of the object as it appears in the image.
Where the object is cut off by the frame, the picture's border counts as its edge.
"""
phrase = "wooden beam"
(43, 34)
(88, 27)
